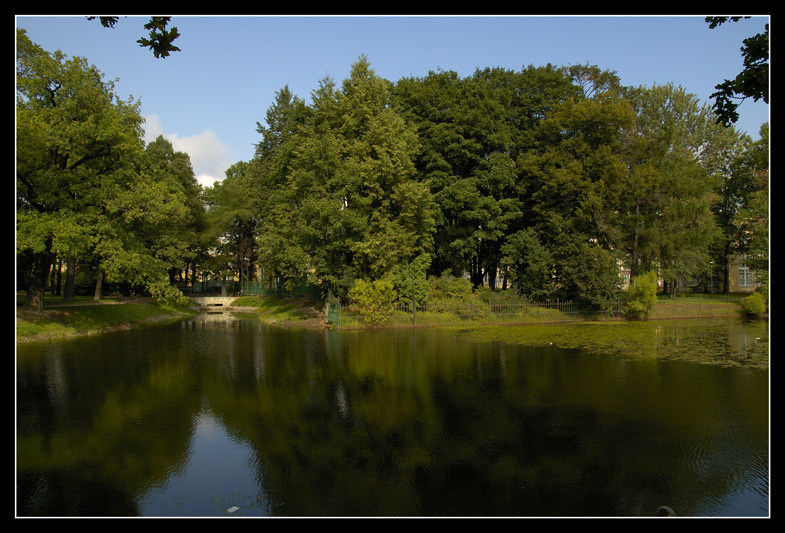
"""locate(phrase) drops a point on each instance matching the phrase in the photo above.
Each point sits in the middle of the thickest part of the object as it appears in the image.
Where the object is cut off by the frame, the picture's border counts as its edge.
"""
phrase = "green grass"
(78, 319)
(272, 309)
(51, 300)
(665, 308)
(534, 315)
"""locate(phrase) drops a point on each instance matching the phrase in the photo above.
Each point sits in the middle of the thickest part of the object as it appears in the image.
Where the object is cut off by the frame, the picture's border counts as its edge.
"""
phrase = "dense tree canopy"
(88, 191)
(549, 178)
(75, 145)
(546, 179)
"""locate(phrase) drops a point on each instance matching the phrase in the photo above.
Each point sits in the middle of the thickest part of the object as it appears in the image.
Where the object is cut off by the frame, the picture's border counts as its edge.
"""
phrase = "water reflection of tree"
(390, 423)
(122, 425)
(462, 430)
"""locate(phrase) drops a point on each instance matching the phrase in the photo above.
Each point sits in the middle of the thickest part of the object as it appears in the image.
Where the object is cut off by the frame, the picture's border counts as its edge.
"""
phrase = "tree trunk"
(492, 278)
(634, 255)
(59, 275)
(52, 278)
(37, 274)
(726, 268)
(70, 280)
(98, 282)
(476, 272)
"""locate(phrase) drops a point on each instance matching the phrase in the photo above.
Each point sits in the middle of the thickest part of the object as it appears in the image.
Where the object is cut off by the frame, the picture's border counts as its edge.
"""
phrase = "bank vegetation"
(559, 183)
(57, 321)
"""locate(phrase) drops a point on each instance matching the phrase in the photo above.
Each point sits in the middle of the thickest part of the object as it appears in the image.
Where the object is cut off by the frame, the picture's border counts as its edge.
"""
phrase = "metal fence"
(235, 288)
(468, 311)
(450, 312)
(281, 290)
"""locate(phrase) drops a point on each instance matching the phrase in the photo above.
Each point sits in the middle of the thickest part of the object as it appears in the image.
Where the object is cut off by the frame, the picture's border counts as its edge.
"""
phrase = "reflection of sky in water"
(218, 479)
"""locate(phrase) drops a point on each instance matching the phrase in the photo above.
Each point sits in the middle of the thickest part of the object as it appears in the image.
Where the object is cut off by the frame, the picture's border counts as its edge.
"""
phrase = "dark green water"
(232, 418)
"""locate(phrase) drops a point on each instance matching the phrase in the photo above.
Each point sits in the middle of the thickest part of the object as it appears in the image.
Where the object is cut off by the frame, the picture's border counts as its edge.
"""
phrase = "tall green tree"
(279, 253)
(177, 241)
(152, 221)
(751, 220)
(472, 131)
(232, 220)
(344, 205)
(375, 176)
(75, 140)
(570, 195)
(727, 158)
(665, 200)
(434, 105)
(530, 264)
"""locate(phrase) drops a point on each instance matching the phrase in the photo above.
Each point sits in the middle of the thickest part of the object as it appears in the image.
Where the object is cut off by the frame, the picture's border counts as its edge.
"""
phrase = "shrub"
(641, 296)
(448, 286)
(411, 278)
(530, 264)
(753, 305)
(374, 299)
(163, 292)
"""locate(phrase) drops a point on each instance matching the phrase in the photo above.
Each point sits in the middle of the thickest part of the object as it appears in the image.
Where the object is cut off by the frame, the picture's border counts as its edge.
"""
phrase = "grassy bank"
(295, 311)
(473, 311)
(84, 317)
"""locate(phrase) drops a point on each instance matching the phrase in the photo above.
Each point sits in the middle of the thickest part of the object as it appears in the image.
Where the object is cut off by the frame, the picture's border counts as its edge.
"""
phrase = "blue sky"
(208, 97)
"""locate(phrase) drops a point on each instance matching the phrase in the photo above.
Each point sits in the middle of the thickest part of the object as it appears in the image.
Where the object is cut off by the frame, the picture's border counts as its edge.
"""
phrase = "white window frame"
(746, 277)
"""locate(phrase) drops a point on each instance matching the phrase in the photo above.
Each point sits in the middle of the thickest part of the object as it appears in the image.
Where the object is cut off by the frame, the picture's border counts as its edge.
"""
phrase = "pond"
(223, 416)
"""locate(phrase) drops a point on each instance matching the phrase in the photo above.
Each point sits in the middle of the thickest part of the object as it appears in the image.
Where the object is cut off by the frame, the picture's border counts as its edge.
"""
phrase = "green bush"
(411, 278)
(374, 299)
(163, 292)
(448, 286)
(641, 296)
(753, 305)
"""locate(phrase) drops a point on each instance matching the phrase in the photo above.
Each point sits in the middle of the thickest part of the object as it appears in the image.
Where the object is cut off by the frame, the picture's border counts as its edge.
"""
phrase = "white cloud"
(209, 157)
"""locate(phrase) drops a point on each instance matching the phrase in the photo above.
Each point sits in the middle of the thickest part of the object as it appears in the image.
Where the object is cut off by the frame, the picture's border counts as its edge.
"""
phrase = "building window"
(745, 276)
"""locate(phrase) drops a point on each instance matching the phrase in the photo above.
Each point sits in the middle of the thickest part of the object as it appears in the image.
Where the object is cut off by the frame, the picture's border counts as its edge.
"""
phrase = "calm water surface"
(221, 416)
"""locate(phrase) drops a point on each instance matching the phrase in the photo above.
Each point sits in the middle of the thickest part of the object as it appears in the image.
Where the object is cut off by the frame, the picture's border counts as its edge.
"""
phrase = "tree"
(751, 220)
(530, 265)
(733, 160)
(232, 219)
(665, 195)
(178, 239)
(433, 106)
(410, 280)
(752, 82)
(151, 221)
(278, 250)
(341, 203)
(472, 131)
(571, 199)
(374, 177)
(75, 142)
(641, 296)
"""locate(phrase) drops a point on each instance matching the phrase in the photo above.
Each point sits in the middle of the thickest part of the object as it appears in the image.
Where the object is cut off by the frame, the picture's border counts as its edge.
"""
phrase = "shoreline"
(64, 321)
